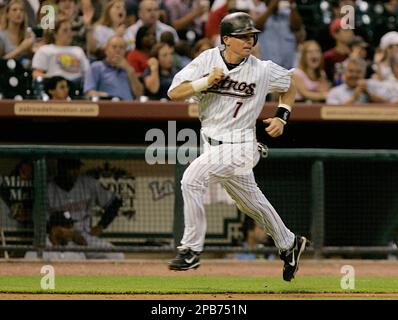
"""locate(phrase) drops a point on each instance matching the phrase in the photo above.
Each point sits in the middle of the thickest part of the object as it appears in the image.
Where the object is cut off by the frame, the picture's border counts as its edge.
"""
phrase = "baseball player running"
(230, 85)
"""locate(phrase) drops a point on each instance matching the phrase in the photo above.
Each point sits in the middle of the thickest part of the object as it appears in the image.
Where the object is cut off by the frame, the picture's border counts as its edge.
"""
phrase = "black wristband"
(282, 113)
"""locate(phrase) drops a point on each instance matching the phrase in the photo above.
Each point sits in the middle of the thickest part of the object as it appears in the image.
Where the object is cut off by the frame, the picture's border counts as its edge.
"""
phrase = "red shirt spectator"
(138, 60)
(341, 51)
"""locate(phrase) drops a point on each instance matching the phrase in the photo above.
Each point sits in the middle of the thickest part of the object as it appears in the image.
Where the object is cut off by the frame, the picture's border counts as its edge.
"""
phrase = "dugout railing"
(345, 201)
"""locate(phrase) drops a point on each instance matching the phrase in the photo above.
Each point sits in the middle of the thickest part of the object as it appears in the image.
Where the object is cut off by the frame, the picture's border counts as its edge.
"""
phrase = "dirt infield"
(153, 267)
(233, 296)
(208, 267)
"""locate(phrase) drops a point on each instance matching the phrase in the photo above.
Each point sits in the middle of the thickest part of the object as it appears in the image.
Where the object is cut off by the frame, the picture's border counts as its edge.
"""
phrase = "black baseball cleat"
(291, 257)
(186, 259)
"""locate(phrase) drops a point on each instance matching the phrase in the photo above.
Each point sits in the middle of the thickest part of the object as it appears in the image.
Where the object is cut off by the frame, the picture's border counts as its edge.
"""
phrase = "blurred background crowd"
(131, 49)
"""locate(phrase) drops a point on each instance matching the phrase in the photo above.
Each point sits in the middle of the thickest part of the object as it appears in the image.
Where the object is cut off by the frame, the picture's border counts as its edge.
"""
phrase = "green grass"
(194, 284)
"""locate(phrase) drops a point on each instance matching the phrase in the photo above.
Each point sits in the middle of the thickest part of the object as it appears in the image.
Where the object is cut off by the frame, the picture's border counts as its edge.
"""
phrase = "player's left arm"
(276, 124)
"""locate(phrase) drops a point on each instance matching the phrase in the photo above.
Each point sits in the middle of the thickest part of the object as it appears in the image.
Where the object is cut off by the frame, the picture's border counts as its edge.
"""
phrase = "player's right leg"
(194, 185)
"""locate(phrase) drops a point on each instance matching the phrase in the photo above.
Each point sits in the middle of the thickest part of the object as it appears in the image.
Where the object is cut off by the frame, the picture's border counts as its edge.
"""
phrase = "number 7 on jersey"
(238, 105)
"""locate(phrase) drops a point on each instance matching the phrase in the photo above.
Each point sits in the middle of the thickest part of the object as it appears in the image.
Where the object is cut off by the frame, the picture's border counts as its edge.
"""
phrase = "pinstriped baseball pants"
(231, 165)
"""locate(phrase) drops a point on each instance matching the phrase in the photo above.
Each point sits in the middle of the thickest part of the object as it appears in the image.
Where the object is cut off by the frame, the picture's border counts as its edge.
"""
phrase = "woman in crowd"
(58, 57)
(15, 40)
(146, 39)
(387, 48)
(69, 9)
(312, 84)
(111, 23)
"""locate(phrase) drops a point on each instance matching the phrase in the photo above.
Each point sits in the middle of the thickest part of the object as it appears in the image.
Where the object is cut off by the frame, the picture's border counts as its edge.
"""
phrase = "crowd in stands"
(128, 49)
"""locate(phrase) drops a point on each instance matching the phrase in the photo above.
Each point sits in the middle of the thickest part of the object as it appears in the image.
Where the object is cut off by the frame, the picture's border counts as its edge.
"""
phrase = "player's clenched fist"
(275, 127)
(216, 76)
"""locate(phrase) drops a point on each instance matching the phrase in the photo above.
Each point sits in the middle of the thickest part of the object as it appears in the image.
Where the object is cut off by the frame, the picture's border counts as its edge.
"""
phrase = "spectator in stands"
(359, 49)
(159, 75)
(388, 47)
(132, 7)
(113, 76)
(131, 11)
(15, 40)
(32, 10)
(355, 88)
(60, 232)
(59, 57)
(146, 39)
(112, 22)
(148, 13)
(201, 45)
(69, 9)
(311, 84)
(277, 40)
(254, 237)
(392, 81)
(340, 52)
(188, 18)
(57, 88)
(219, 9)
(69, 191)
(92, 10)
(182, 50)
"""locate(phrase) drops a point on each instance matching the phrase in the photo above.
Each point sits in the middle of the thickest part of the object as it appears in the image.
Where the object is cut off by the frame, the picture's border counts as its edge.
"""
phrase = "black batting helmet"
(237, 23)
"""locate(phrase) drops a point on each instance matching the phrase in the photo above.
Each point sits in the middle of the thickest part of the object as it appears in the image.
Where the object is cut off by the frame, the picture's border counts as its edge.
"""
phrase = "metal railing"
(317, 196)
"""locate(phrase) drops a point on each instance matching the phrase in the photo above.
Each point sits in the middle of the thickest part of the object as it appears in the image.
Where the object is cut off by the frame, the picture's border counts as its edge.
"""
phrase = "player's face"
(240, 45)
(67, 177)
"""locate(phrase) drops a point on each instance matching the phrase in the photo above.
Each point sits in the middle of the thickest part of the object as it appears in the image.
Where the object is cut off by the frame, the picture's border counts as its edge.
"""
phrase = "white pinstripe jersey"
(235, 103)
